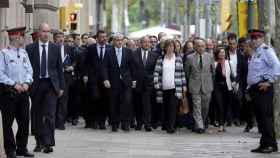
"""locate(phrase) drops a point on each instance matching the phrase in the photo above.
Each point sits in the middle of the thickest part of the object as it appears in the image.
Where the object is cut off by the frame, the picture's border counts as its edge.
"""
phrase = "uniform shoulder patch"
(3, 50)
(265, 47)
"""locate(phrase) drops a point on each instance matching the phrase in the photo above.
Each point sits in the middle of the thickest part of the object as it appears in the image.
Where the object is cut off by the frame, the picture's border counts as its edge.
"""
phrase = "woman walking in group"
(170, 84)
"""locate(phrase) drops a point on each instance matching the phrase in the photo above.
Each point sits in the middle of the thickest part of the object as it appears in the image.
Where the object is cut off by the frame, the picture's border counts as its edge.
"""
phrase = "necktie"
(200, 62)
(44, 62)
(101, 53)
(119, 57)
(145, 58)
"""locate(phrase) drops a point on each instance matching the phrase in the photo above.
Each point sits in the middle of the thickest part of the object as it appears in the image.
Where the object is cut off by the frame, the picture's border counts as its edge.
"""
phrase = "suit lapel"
(123, 57)
(115, 58)
(49, 54)
(140, 57)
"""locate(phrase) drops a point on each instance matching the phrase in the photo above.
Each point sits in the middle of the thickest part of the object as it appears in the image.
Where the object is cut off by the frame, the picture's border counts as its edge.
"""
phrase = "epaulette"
(4, 50)
(265, 47)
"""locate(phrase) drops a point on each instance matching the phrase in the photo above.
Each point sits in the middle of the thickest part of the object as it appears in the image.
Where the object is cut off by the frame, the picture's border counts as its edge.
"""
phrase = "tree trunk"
(277, 85)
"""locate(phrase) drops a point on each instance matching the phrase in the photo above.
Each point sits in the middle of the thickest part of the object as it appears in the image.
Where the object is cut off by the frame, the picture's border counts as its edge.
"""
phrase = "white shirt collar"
(41, 43)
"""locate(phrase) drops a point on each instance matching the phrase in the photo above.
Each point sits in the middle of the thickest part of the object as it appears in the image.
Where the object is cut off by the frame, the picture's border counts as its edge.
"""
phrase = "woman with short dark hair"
(170, 83)
(222, 86)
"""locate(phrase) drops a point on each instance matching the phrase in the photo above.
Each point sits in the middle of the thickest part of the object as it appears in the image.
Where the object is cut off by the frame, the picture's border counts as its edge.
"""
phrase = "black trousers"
(62, 104)
(263, 104)
(120, 105)
(15, 107)
(170, 104)
(100, 105)
(143, 107)
(222, 98)
(77, 98)
(43, 111)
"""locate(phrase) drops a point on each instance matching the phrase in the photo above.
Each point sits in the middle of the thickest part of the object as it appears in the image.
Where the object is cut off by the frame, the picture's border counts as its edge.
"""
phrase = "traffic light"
(73, 17)
(73, 21)
(73, 26)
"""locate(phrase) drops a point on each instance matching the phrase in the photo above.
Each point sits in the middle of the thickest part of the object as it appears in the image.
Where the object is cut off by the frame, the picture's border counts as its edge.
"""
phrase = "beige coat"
(199, 80)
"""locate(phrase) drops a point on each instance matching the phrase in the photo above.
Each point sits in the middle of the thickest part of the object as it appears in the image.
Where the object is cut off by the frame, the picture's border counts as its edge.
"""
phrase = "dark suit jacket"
(241, 67)
(144, 75)
(112, 71)
(69, 59)
(93, 67)
(54, 66)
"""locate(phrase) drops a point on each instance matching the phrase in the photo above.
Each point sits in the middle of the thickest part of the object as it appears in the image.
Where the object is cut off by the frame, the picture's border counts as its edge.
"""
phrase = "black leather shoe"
(264, 150)
(38, 148)
(25, 154)
(132, 125)
(148, 129)
(125, 126)
(275, 149)
(94, 125)
(247, 129)
(61, 128)
(47, 149)
(11, 155)
(138, 127)
(102, 127)
(75, 122)
(170, 131)
(198, 130)
(114, 128)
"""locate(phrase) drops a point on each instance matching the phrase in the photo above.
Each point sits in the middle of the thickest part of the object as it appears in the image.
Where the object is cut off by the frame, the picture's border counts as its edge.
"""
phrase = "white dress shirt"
(233, 63)
(143, 53)
(168, 73)
(98, 49)
(62, 53)
(47, 55)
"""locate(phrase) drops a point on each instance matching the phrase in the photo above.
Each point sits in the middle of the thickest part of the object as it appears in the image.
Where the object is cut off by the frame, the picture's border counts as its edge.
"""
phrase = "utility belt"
(6, 90)
(254, 90)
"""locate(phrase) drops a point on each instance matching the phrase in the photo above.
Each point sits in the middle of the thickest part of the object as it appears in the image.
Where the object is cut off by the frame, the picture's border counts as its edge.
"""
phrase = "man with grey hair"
(144, 60)
(199, 69)
(117, 75)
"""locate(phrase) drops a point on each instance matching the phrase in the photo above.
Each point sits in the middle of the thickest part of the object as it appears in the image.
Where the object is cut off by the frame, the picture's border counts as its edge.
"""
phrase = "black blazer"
(69, 59)
(118, 74)
(144, 75)
(93, 66)
(54, 66)
(241, 66)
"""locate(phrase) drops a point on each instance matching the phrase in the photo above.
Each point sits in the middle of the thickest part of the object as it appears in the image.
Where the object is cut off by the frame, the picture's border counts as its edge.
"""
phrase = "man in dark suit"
(98, 107)
(144, 61)
(48, 86)
(67, 56)
(117, 72)
(238, 76)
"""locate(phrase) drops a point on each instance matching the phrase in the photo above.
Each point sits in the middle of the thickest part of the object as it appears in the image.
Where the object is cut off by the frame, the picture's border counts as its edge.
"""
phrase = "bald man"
(48, 86)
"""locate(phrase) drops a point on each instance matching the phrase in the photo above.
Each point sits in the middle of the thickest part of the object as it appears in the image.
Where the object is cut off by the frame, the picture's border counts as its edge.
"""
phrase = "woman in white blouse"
(222, 86)
(170, 83)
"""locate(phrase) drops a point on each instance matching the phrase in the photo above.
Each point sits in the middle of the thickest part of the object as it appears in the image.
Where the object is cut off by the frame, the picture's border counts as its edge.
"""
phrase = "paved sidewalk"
(77, 142)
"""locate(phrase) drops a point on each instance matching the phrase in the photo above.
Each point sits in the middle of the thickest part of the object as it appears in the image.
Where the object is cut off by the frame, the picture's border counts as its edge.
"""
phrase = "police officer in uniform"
(16, 77)
(263, 71)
